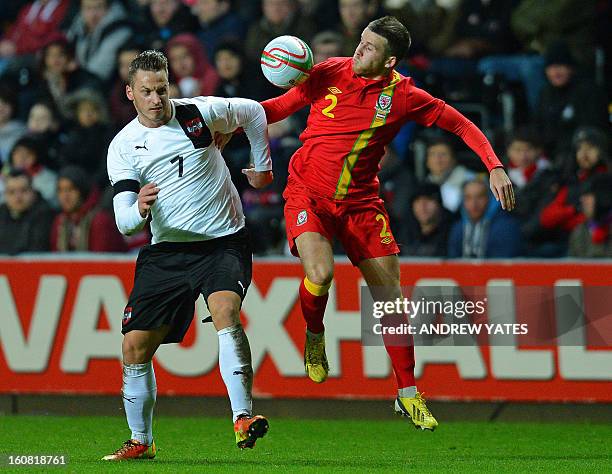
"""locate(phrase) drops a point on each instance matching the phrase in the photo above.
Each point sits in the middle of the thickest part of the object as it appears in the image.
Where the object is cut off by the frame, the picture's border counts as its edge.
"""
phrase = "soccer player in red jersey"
(358, 105)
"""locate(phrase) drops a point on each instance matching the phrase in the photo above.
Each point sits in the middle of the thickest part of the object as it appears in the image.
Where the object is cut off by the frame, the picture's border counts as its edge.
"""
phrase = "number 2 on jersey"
(327, 111)
(180, 166)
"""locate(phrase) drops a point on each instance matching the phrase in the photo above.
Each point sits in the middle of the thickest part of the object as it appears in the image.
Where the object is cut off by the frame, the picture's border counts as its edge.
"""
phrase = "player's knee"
(225, 314)
(320, 274)
(134, 352)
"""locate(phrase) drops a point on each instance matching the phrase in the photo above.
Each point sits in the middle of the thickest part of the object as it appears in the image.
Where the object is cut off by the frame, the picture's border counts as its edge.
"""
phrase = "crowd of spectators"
(534, 75)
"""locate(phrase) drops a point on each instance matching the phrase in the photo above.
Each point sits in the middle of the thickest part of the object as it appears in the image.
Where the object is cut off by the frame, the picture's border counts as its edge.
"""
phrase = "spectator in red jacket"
(564, 211)
(559, 211)
(189, 66)
(81, 226)
(35, 22)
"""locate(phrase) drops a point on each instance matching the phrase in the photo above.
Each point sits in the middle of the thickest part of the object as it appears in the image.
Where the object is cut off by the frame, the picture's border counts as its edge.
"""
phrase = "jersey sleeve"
(125, 180)
(119, 165)
(226, 115)
(281, 107)
(422, 107)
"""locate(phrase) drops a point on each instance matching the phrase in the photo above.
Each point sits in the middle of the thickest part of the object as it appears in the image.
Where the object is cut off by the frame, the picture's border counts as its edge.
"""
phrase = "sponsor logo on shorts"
(302, 218)
(127, 315)
(386, 240)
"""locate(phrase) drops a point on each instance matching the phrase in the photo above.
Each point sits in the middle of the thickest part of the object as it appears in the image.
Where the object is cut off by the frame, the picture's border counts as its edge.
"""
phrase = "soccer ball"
(286, 61)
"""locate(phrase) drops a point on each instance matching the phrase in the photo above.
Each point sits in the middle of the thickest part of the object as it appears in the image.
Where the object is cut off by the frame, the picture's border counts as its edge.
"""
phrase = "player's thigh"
(306, 215)
(382, 275)
(139, 346)
(365, 232)
(317, 257)
(223, 274)
(224, 307)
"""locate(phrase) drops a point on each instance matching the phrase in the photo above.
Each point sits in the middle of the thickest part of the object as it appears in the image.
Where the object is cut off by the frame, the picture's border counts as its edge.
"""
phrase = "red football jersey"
(351, 121)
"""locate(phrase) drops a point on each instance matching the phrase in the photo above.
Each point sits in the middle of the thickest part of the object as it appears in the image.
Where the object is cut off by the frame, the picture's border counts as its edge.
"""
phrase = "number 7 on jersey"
(180, 164)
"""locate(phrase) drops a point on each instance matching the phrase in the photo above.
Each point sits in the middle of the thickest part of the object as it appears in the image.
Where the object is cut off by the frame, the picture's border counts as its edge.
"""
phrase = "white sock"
(407, 392)
(139, 394)
(236, 370)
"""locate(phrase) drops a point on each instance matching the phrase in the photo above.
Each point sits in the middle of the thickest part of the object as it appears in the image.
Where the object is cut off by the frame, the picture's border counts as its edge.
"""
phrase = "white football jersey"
(197, 199)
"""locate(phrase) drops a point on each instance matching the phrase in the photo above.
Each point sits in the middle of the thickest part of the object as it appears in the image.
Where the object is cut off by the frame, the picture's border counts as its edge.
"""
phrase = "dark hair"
(396, 34)
(429, 190)
(442, 141)
(78, 177)
(599, 186)
(15, 173)
(32, 144)
(149, 60)
(231, 45)
(131, 45)
(525, 134)
(8, 96)
(327, 37)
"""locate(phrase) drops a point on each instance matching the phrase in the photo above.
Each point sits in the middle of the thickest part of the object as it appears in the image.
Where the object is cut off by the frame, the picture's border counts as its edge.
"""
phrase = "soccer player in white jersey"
(164, 165)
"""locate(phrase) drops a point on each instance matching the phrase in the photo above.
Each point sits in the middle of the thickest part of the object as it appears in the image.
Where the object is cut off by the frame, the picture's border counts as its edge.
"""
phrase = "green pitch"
(207, 445)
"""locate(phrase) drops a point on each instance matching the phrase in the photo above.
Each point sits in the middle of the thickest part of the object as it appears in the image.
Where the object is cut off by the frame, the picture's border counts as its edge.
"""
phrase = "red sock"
(401, 352)
(402, 359)
(313, 306)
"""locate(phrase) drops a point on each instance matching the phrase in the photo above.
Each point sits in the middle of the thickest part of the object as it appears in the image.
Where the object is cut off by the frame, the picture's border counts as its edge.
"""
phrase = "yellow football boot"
(315, 360)
(416, 409)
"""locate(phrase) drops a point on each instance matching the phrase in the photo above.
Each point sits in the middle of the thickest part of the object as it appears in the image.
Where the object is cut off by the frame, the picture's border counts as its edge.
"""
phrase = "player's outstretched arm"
(281, 107)
(453, 121)
(229, 114)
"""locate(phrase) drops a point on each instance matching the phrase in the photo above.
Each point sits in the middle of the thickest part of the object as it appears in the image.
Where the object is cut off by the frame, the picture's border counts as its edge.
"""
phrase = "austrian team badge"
(194, 127)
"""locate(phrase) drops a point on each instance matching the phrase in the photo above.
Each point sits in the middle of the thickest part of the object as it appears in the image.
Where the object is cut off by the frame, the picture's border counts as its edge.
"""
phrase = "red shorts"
(361, 226)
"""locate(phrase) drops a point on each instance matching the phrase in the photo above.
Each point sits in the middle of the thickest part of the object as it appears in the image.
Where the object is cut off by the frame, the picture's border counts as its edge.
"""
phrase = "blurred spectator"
(525, 159)
(426, 227)
(568, 101)
(559, 211)
(217, 23)
(531, 174)
(10, 128)
(28, 155)
(235, 80)
(539, 24)
(325, 45)
(164, 19)
(30, 31)
(280, 17)
(81, 226)
(593, 238)
(121, 108)
(322, 13)
(88, 139)
(59, 75)
(25, 218)
(354, 17)
(482, 28)
(44, 127)
(189, 66)
(485, 230)
(430, 22)
(446, 173)
(97, 32)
